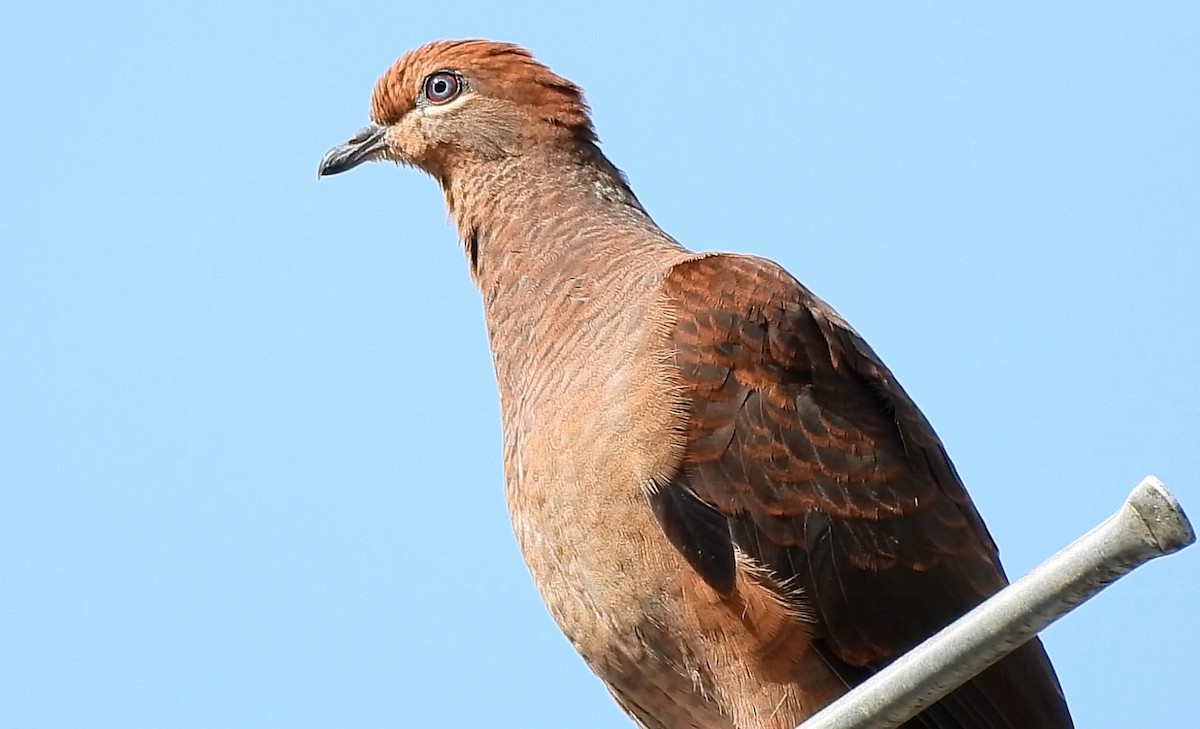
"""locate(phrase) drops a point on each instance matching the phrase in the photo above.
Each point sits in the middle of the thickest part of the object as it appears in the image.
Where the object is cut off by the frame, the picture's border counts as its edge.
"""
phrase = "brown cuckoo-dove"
(726, 500)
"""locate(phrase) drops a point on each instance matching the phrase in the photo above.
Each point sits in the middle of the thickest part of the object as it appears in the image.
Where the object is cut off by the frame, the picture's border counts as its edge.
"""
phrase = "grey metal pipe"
(1149, 524)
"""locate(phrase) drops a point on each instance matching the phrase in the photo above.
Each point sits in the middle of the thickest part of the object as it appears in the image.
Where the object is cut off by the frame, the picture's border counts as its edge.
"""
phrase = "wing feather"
(806, 455)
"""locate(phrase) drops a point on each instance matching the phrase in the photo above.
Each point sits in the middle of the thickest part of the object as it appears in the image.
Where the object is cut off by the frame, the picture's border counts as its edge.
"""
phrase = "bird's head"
(454, 102)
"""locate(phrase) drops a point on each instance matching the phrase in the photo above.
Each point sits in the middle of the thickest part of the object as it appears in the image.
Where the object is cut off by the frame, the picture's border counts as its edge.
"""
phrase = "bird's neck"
(567, 263)
(565, 259)
(544, 214)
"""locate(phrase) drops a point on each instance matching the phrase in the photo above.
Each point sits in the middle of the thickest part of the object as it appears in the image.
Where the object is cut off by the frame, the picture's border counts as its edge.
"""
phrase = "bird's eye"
(441, 87)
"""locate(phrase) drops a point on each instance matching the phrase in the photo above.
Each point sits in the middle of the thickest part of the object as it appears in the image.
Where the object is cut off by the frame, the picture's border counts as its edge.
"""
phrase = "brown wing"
(804, 453)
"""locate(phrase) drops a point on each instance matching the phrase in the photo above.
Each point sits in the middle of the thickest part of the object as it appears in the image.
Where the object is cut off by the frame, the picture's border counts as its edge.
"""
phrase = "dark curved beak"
(366, 145)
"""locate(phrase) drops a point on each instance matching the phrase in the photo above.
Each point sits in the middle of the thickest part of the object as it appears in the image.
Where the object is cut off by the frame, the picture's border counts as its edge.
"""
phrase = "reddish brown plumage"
(727, 502)
(793, 415)
(496, 70)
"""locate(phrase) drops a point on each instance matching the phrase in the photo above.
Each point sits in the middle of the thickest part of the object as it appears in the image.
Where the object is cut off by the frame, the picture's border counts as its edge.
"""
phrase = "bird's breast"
(588, 426)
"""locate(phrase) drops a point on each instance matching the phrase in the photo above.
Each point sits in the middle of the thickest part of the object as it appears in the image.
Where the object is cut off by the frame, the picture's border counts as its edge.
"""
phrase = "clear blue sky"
(249, 442)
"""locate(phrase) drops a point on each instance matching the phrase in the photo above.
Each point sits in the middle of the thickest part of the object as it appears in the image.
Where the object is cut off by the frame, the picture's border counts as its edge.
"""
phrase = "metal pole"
(1149, 524)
